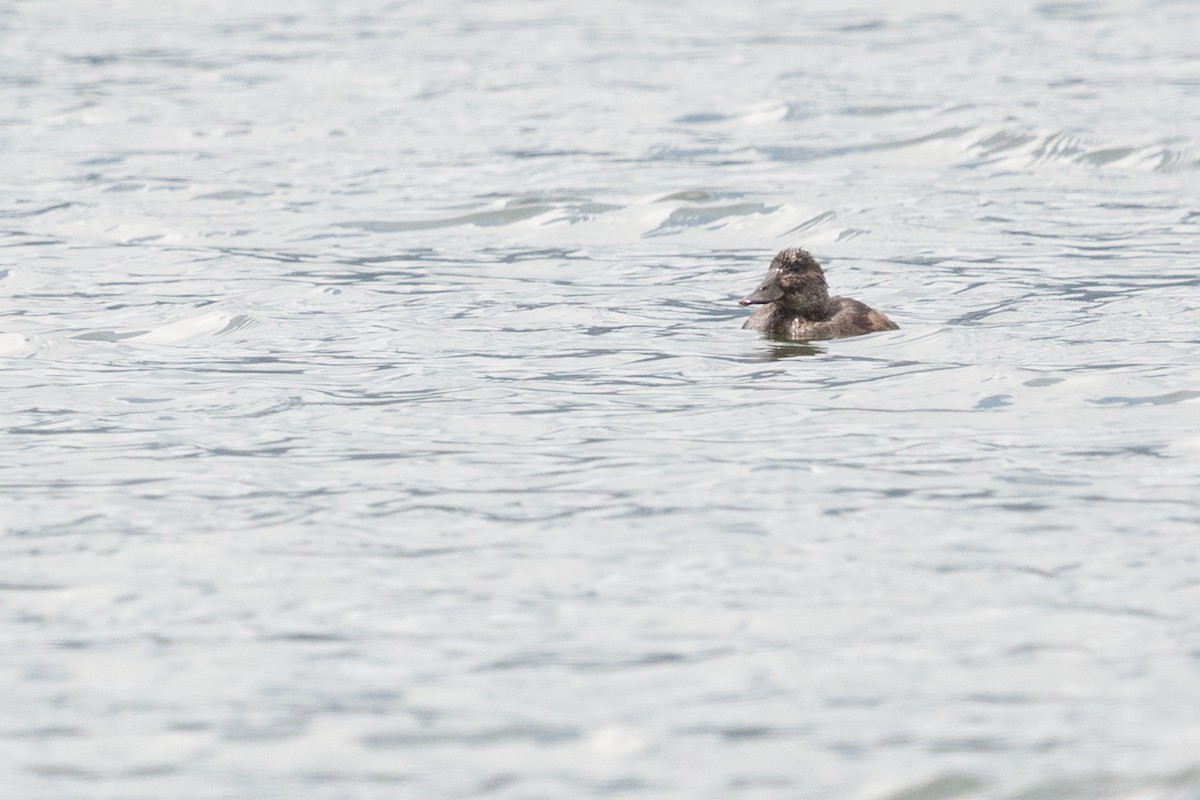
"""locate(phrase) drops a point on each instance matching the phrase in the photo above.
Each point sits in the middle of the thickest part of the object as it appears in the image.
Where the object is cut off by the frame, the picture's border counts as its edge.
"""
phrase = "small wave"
(1170, 398)
(16, 345)
(697, 196)
(703, 216)
(1094, 785)
(504, 216)
(230, 194)
(201, 326)
(814, 223)
(790, 153)
(514, 211)
(33, 212)
(1024, 148)
(700, 118)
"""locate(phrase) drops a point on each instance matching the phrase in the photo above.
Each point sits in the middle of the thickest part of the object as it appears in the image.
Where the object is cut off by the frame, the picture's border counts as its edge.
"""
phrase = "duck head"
(795, 282)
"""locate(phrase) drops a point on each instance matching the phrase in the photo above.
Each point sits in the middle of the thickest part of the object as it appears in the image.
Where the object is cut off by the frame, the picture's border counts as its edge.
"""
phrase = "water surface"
(378, 420)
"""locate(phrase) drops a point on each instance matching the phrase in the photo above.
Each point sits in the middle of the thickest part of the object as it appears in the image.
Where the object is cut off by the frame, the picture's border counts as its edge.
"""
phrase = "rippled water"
(378, 420)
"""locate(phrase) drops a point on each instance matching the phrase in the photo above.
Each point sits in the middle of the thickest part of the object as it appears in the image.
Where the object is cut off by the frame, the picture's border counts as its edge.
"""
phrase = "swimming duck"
(796, 303)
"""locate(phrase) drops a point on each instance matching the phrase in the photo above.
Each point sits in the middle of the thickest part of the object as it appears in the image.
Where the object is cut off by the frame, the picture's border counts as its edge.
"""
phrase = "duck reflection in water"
(782, 348)
(796, 306)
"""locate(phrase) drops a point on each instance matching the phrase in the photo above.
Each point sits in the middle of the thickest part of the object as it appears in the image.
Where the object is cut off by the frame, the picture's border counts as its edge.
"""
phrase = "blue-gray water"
(378, 422)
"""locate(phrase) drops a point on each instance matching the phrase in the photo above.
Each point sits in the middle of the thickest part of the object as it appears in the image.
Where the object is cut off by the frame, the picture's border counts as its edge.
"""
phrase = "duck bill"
(767, 294)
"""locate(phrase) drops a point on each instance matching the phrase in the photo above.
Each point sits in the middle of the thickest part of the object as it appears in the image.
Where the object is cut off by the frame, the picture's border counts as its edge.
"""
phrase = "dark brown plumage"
(796, 304)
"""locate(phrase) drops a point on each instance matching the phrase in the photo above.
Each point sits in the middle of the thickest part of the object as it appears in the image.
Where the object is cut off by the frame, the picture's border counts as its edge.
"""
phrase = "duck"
(796, 306)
